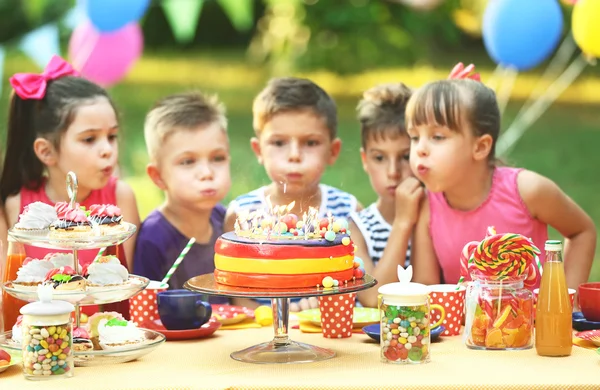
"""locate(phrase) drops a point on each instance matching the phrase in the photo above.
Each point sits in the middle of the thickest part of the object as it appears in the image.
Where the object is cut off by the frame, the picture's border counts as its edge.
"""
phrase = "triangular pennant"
(75, 16)
(2, 54)
(183, 16)
(34, 10)
(240, 12)
(41, 44)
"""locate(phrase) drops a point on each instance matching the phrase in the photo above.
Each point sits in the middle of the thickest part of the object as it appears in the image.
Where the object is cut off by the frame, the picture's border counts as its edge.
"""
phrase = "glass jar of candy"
(47, 339)
(499, 315)
(405, 323)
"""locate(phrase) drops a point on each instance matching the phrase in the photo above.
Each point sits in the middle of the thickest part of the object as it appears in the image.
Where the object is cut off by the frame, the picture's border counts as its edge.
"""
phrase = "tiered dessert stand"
(281, 349)
(94, 296)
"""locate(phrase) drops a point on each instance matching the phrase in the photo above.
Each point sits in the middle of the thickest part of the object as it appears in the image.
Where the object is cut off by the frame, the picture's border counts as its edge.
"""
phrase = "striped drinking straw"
(178, 261)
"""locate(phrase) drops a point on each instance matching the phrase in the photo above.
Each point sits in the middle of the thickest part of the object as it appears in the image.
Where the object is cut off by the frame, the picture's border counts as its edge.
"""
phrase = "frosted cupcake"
(72, 222)
(32, 273)
(108, 217)
(117, 334)
(106, 271)
(65, 278)
(36, 219)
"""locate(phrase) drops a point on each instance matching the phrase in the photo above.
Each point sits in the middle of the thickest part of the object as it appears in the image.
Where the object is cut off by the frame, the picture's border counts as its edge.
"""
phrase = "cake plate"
(91, 296)
(281, 349)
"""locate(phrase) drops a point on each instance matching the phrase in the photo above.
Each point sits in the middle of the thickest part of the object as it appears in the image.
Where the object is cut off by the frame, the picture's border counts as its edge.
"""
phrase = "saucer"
(15, 358)
(204, 331)
(228, 314)
(374, 331)
(580, 323)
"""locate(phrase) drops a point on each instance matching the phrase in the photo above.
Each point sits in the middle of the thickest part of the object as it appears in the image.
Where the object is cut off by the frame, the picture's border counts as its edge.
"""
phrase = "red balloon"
(105, 58)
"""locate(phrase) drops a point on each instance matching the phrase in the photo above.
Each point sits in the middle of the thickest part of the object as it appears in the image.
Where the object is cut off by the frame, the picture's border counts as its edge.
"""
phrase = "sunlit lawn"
(562, 145)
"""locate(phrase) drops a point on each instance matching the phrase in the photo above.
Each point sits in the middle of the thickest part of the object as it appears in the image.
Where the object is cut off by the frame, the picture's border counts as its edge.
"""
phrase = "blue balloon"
(111, 15)
(522, 33)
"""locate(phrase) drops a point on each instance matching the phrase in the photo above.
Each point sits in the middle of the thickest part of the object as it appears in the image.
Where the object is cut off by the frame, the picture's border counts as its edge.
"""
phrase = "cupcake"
(32, 273)
(116, 334)
(94, 319)
(71, 223)
(65, 278)
(108, 217)
(36, 219)
(81, 340)
(60, 259)
(106, 271)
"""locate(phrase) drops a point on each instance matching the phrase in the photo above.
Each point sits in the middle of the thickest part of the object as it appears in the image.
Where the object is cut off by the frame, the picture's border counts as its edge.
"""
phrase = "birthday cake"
(270, 250)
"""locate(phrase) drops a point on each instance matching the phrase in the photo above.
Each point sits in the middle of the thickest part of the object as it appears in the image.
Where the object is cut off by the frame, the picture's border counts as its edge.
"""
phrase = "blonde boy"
(295, 123)
(187, 142)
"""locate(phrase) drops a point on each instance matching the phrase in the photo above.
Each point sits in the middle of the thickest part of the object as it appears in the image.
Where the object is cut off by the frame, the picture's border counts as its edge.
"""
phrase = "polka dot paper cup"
(143, 306)
(336, 315)
(453, 301)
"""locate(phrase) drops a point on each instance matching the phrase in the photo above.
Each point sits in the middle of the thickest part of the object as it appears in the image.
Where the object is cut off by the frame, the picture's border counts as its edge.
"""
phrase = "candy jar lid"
(46, 307)
(405, 292)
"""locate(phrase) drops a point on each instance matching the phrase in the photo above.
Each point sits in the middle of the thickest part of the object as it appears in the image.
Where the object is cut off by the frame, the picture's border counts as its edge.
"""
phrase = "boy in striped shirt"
(295, 123)
(383, 230)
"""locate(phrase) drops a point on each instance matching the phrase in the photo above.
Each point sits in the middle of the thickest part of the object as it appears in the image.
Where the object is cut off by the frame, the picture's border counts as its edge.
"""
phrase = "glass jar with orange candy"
(499, 315)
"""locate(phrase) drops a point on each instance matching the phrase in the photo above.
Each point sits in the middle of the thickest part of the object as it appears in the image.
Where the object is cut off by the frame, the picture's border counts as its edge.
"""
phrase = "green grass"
(562, 145)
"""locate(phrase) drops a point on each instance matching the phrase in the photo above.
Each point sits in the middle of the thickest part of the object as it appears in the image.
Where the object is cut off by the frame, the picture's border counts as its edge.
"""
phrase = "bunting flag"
(183, 16)
(41, 44)
(240, 12)
(75, 16)
(2, 54)
(34, 10)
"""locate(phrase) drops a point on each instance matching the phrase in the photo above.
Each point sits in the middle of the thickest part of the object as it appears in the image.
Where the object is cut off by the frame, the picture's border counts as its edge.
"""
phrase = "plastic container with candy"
(499, 304)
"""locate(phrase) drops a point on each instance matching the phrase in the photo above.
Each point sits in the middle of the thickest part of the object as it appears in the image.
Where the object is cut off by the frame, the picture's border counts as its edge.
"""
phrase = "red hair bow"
(33, 86)
(460, 71)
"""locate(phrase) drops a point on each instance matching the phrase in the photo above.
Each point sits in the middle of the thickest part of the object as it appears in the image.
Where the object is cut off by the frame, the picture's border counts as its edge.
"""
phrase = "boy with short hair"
(383, 230)
(186, 138)
(295, 122)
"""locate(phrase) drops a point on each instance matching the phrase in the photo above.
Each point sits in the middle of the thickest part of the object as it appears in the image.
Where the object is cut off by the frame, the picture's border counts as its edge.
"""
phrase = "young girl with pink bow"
(57, 123)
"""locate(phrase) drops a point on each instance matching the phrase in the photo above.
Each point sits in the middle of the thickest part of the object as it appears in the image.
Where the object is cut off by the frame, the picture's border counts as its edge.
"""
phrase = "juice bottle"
(14, 260)
(553, 321)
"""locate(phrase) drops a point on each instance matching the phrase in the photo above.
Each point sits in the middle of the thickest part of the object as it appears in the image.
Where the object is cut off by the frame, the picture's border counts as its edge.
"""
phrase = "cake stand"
(281, 349)
(90, 296)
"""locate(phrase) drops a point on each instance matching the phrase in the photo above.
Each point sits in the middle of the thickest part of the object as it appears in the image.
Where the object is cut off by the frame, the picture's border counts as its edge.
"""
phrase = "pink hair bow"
(33, 86)
(460, 71)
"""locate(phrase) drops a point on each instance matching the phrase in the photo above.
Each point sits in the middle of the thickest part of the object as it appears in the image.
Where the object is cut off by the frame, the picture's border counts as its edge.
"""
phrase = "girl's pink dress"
(105, 195)
(504, 209)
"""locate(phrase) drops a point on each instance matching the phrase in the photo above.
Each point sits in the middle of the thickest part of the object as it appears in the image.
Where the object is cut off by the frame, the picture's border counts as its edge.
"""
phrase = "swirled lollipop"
(506, 256)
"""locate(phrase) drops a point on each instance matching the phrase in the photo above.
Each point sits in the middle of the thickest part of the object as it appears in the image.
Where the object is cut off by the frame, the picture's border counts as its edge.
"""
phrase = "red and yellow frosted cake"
(285, 256)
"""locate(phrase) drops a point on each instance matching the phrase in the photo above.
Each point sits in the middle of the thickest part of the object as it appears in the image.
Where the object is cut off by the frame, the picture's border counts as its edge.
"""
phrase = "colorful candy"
(47, 350)
(405, 333)
(502, 257)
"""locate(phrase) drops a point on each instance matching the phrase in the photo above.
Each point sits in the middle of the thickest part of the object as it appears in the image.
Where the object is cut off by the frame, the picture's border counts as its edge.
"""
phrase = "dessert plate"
(228, 314)
(91, 296)
(15, 358)
(581, 324)
(590, 335)
(100, 357)
(374, 332)
(188, 334)
(85, 242)
(361, 316)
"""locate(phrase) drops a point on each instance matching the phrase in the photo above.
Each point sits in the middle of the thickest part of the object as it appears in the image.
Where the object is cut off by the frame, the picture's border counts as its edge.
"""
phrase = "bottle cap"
(553, 245)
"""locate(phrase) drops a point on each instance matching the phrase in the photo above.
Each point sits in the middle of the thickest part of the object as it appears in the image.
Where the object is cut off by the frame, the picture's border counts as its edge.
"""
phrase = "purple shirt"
(159, 243)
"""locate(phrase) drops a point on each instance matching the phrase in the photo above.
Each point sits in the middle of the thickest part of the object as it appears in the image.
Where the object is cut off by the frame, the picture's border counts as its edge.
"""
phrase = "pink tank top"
(504, 209)
(105, 195)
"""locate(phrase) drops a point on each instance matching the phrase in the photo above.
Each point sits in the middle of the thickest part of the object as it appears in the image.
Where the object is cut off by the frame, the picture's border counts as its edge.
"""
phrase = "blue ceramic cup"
(182, 309)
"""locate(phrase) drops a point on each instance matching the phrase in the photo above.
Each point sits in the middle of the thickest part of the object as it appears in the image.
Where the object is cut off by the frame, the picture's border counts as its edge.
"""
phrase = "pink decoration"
(33, 86)
(105, 58)
(104, 210)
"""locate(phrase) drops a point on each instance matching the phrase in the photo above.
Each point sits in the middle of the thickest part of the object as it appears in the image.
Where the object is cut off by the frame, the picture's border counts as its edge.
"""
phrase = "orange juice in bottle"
(553, 317)
(11, 305)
